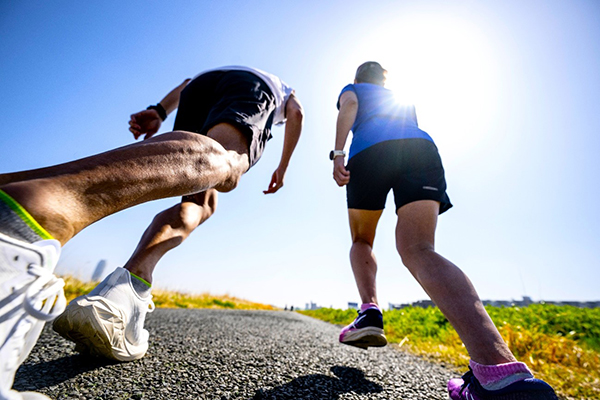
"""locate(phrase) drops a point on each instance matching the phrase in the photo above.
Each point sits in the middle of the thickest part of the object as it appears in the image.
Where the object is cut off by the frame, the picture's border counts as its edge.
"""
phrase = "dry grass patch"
(170, 299)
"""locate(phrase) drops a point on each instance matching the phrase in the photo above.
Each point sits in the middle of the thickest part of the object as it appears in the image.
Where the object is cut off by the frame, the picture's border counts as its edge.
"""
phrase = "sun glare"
(441, 65)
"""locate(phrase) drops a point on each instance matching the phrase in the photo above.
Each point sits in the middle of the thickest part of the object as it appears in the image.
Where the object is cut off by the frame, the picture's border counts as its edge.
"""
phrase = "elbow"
(294, 111)
(296, 114)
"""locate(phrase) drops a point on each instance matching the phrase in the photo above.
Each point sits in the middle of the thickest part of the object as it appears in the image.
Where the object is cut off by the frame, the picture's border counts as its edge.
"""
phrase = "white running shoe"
(30, 295)
(109, 321)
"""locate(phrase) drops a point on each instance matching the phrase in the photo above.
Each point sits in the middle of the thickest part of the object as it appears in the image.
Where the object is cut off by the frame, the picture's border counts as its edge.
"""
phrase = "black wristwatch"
(336, 153)
(162, 113)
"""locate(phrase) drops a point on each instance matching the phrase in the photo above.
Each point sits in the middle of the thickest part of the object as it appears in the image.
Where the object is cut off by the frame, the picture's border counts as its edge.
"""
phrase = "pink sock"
(495, 377)
(366, 306)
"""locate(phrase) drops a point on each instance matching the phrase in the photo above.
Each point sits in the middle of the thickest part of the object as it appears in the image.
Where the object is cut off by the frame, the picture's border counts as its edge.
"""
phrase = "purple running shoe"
(469, 388)
(365, 331)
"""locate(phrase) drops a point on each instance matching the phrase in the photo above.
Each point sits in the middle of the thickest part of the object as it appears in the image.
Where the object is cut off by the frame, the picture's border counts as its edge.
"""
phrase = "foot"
(469, 388)
(109, 321)
(30, 295)
(365, 331)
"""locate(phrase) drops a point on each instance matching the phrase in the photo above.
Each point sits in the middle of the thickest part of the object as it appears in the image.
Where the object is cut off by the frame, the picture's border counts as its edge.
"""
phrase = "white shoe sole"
(97, 327)
(33, 396)
(365, 338)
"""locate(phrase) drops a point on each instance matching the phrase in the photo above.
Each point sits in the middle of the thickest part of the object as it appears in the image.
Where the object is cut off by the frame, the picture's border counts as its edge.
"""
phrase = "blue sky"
(510, 92)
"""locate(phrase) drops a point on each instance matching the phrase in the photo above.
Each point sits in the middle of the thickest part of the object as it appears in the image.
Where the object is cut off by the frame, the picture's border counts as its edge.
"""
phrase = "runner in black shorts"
(389, 152)
(240, 98)
(235, 108)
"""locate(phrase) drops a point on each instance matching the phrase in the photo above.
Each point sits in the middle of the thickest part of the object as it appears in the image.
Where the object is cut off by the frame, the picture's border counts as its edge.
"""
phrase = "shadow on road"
(50, 373)
(321, 387)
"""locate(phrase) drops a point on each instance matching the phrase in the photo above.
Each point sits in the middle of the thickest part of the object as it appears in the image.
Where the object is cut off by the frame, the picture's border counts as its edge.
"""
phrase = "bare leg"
(363, 224)
(168, 230)
(171, 227)
(448, 287)
(67, 198)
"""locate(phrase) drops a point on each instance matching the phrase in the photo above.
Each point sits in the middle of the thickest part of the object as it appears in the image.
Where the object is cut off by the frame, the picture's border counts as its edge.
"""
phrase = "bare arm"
(147, 122)
(293, 128)
(171, 100)
(345, 120)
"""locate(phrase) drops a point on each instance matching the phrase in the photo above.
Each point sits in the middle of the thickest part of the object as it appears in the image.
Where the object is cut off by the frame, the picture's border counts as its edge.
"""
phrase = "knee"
(359, 241)
(233, 166)
(413, 253)
(230, 183)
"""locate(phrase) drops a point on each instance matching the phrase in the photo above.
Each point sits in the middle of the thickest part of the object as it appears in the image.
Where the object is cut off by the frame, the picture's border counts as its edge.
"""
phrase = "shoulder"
(347, 89)
(350, 87)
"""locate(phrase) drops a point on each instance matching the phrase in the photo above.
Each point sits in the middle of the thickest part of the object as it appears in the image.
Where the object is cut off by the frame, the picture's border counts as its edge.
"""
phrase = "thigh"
(368, 186)
(363, 224)
(416, 225)
(420, 175)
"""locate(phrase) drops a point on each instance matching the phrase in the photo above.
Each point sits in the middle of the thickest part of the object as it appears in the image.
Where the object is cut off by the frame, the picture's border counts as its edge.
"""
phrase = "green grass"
(561, 344)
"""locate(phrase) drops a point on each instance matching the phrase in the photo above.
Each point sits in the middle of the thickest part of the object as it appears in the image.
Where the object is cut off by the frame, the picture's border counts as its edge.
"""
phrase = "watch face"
(331, 155)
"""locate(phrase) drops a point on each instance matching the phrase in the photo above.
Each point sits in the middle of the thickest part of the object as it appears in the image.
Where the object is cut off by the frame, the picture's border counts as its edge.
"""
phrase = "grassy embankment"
(561, 344)
(170, 299)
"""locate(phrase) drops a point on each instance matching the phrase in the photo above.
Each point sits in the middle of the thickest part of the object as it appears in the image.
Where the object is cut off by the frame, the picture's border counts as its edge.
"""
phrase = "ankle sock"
(141, 286)
(496, 377)
(366, 306)
(17, 223)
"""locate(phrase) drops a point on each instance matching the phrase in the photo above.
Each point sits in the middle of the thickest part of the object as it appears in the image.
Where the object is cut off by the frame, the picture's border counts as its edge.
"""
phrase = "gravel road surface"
(233, 354)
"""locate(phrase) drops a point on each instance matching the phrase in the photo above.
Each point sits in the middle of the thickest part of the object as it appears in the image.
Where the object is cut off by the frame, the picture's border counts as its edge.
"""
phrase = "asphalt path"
(233, 354)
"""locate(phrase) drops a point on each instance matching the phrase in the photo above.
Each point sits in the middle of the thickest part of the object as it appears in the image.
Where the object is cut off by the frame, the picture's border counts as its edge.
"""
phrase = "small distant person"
(389, 152)
(227, 115)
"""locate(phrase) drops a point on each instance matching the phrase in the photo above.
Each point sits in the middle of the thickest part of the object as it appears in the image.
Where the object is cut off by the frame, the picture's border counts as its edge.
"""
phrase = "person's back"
(379, 102)
(380, 117)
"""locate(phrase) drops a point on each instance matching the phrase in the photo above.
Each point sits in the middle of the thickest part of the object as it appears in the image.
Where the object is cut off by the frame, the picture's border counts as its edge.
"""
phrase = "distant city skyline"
(525, 301)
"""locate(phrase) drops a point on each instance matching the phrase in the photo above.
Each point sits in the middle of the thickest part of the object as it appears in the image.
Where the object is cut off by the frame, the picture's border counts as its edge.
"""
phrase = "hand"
(145, 122)
(340, 174)
(276, 181)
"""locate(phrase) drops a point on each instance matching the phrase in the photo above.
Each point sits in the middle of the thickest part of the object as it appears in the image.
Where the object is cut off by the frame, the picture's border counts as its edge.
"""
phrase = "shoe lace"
(467, 377)
(43, 301)
(45, 298)
(360, 313)
(471, 383)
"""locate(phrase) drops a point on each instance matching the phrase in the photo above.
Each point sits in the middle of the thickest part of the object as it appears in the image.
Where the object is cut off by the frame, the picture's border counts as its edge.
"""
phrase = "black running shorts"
(412, 168)
(239, 98)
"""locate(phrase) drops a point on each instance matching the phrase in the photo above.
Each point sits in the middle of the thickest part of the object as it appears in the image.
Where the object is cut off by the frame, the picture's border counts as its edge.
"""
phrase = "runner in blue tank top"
(389, 152)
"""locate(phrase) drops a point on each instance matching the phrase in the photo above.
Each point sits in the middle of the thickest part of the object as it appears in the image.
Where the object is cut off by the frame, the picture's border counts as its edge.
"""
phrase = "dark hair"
(371, 72)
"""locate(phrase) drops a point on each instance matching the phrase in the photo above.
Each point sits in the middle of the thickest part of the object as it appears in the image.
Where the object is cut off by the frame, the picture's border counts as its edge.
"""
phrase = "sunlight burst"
(443, 66)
